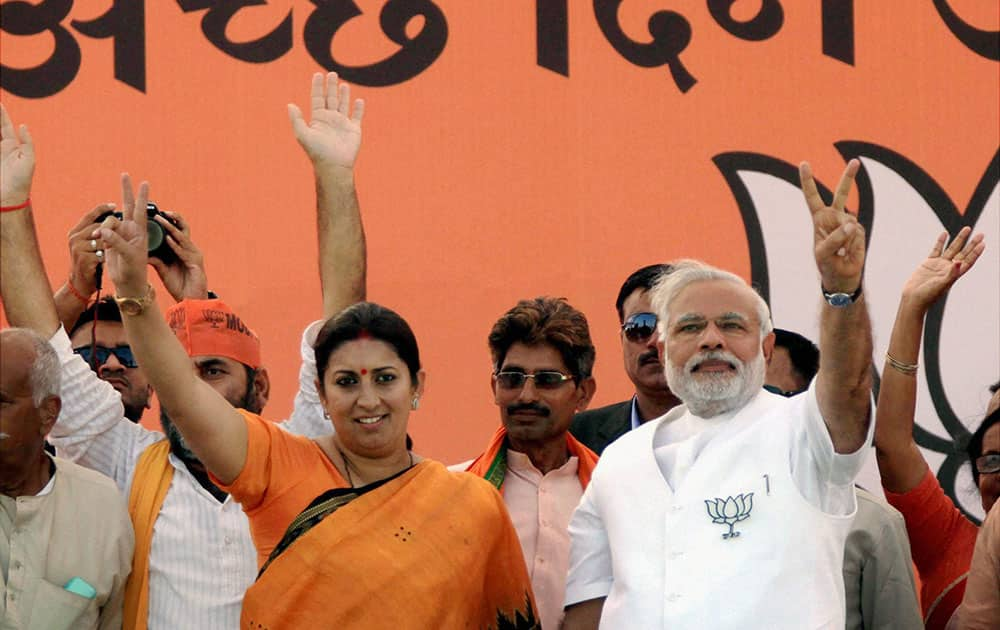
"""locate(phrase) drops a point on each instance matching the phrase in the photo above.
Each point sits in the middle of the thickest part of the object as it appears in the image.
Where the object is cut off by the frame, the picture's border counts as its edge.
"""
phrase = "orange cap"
(210, 327)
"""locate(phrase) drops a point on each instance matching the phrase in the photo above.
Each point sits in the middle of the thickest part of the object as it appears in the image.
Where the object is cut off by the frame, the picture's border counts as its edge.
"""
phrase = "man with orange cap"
(191, 570)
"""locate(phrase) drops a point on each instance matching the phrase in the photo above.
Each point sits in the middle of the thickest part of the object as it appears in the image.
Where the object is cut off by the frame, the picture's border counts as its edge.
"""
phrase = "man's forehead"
(201, 360)
(534, 356)
(714, 299)
(17, 355)
(106, 334)
(637, 302)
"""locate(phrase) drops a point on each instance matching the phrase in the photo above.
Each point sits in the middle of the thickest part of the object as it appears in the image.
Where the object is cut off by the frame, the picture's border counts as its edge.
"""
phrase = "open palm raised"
(943, 266)
(332, 137)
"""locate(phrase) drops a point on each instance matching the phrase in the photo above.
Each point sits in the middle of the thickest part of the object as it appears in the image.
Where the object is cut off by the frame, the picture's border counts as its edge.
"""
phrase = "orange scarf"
(492, 464)
(428, 549)
(152, 478)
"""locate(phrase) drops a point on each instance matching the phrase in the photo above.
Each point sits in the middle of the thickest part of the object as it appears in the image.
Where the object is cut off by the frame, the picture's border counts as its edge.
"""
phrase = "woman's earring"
(416, 403)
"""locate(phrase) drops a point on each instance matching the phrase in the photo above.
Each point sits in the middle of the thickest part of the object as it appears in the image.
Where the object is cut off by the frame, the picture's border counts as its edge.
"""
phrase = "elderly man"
(542, 364)
(732, 510)
(195, 557)
(599, 427)
(65, 540)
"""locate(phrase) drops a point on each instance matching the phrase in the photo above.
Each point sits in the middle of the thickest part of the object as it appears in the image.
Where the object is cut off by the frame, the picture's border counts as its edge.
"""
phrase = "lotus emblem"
(730, 511)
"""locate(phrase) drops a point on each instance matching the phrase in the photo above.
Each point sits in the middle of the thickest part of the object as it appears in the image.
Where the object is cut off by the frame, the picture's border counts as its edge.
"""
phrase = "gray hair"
(44, 375)
(687, 272)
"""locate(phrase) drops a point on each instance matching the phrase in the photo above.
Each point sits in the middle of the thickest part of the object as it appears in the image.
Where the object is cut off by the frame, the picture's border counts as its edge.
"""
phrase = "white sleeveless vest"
(734, 546)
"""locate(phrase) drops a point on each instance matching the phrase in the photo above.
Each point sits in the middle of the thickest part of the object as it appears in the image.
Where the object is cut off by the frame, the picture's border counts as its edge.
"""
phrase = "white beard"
(712, 393)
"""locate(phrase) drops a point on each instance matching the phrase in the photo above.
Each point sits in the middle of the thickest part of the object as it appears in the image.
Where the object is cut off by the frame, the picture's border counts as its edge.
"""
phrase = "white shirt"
(644, 535)
(202, 558)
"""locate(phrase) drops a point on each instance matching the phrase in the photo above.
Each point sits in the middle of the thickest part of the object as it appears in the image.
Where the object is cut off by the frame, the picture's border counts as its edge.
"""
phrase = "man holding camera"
(95, 327)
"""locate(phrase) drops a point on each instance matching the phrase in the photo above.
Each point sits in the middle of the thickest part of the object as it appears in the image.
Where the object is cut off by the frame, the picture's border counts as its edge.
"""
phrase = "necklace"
(347, 464)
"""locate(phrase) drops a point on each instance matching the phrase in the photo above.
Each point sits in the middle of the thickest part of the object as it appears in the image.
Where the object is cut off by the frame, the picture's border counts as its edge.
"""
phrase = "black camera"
(157, 246)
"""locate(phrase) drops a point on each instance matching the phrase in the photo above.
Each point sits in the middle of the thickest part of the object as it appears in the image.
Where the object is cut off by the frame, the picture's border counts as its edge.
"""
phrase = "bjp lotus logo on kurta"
(903, 208)
(730, 511)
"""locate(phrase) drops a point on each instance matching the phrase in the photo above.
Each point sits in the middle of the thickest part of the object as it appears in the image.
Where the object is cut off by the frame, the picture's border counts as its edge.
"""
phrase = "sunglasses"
(988, 464)
(549, 379)
(639, 327)
(101, 354)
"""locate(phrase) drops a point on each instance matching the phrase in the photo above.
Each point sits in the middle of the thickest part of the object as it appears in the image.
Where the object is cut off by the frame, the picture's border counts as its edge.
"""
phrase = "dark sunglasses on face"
(639, 327)
(122, 353)
(548, 379)
(989, 463)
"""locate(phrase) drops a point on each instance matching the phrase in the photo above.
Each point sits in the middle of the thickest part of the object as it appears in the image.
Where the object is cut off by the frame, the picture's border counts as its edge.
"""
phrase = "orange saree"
(427, 549)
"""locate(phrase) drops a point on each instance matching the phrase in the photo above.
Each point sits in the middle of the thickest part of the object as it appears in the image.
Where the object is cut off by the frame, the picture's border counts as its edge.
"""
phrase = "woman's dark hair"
(367, 319)
(974, 448)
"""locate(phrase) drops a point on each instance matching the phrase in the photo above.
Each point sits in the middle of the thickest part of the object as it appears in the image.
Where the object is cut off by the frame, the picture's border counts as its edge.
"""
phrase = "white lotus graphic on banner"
(903, 209)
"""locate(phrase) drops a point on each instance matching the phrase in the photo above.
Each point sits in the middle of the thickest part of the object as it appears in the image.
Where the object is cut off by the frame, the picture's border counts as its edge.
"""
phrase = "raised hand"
(85, 251)
(333, 135)
(943, 267)
(839, 240)
(186, 277)
(17, 162)
(127, 241)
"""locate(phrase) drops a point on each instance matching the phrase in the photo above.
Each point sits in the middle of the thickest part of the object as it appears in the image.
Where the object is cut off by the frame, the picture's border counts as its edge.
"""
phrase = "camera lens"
(155, 235)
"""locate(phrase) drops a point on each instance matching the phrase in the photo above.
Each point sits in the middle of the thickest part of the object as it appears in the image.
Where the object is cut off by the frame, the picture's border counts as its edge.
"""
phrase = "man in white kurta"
(731, 511)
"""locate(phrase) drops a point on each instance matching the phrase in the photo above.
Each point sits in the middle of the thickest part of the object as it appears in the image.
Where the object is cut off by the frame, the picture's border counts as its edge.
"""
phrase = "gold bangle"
(906, 368)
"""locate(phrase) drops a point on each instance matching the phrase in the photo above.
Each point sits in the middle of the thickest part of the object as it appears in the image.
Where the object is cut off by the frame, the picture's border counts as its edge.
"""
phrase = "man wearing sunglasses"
(599, 427)
(99, 338)
(543, 358)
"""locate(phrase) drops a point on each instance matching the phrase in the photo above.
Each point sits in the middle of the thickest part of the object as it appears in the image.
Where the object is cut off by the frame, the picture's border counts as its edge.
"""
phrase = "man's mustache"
(535, 407)
(650, 356)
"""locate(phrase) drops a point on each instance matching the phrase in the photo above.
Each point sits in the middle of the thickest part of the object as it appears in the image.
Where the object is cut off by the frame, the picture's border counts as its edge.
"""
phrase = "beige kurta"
(76, 527)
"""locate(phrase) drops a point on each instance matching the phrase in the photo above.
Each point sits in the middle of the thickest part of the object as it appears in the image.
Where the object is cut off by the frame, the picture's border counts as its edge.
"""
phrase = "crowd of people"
(721, 494)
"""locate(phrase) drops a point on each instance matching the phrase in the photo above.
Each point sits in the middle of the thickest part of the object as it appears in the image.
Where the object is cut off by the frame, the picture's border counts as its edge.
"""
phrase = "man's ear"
(261, 386)
(493, 388)
(149, 396)
(49, 412)
(767, 346)
(587, 388)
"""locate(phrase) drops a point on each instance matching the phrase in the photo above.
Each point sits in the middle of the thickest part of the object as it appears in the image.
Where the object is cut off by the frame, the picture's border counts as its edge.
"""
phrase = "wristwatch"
(133, 306)
(840, 300)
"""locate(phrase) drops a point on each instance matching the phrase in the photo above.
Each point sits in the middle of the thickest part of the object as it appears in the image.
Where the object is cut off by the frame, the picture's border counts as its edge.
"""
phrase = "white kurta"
(733, 522)
(202, 558)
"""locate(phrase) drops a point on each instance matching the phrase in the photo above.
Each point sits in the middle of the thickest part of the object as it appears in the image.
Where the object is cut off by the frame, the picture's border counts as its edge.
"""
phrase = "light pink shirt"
(540, 507)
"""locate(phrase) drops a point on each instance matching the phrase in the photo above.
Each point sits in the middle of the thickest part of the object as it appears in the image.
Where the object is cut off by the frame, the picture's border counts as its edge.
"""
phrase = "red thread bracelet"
(19, 207)
(76, 294)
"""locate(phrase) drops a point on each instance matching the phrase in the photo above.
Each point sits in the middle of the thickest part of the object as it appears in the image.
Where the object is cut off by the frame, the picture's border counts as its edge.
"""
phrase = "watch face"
(130, 306)
(838, 299)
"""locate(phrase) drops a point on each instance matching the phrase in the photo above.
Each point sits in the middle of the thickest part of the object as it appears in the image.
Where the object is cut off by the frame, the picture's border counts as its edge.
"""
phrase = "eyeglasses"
(548, 379)
(639, 327)
(122, 353)
(989, 463)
